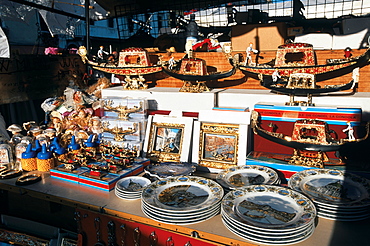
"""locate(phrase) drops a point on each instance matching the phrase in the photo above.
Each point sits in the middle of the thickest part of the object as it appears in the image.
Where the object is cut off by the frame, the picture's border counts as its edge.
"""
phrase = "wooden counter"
(212, 231)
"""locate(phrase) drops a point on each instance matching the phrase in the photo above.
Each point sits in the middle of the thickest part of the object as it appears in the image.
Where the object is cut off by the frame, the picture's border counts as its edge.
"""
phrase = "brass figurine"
(118, 132)
(123, 111)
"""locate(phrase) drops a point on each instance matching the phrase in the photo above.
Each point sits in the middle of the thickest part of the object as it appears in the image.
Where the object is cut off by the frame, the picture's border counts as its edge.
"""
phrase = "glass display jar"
(19, 149)
(6, 155)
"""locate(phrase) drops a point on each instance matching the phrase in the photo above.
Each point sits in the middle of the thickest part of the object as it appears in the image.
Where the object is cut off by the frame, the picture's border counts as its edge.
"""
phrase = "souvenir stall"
(131, 164)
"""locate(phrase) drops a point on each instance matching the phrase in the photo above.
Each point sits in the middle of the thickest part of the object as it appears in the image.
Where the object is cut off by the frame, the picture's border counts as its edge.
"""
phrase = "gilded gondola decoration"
(301, 84)
(119, 133)
(123, 110)
(132, 62)
(307, 134)
(301, 58)
(310, 139)
(193, 71)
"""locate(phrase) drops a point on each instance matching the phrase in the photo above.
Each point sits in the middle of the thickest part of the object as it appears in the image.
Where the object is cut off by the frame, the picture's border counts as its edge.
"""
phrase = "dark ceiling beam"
(118, 8)
(38, 6)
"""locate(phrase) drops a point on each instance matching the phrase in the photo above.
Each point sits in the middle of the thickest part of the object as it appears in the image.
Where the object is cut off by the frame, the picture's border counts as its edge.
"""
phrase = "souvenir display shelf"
(162, 98)
(92, 203)
(220, 106)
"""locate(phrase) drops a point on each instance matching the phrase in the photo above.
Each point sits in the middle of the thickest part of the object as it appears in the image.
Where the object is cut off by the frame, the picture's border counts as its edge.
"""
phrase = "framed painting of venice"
(168, 138)
(220, 145)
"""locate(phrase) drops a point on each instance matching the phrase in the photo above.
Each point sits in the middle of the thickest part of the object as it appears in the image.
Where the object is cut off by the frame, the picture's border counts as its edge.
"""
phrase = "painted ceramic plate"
(266, 233)
(270, 207)
(343, 218)
(299, 237)
(186, 214)
(127, 196)
(333, 187)
(186, 221)
(342, 211)
(132, 184)
(292, 235)
(240, 176)
(179, 218)
(168, 169)
(182, 194)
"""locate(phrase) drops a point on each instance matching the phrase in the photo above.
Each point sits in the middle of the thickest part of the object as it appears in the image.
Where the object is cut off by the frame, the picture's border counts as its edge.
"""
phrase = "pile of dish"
(131, 187)
(240, 176)
(338, 195)
(182, 200)
(268, 214)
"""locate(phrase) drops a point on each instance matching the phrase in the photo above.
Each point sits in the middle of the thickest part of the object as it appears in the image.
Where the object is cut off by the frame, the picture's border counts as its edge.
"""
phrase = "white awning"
(57, 23)
(4, 45)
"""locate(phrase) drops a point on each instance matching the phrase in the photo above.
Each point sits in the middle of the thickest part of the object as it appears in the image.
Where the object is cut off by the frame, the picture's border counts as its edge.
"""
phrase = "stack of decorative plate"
(240, 176)
(131, 187)
(268, 214)
(338, 195)
(182, 200)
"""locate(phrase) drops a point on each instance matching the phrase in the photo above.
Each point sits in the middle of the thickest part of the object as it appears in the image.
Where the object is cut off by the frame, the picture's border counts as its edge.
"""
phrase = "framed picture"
(168, 138)
(221, 145)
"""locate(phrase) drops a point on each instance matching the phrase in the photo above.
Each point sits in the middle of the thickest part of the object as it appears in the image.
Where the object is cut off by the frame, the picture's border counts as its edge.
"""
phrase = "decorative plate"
(239, 176)
(272, 241)
(343, 218)
(267, 236)
(179, 221)
(170, 217)
(270, 232)
(332, 187)
(168, 169)
(132, 184)
(180, 213)
(127, 196)
(182, 194)
(267, 206)
(363, 210)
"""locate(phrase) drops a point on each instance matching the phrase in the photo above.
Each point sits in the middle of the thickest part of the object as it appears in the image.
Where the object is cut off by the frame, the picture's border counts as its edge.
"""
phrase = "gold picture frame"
(218, 145)
(168, 139)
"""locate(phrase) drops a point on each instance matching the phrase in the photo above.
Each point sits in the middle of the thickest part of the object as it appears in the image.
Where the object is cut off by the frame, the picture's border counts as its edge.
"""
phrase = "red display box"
(106, 182)
(282, 119)
(71, 176)
(285, 170)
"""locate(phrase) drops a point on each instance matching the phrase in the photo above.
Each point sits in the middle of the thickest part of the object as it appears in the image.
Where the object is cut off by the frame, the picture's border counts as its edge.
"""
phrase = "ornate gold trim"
(166, 154)
(21, 238)
(220, 160)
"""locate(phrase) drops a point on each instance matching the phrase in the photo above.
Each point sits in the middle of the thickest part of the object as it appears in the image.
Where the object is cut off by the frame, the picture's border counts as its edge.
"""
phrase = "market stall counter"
(104, 218)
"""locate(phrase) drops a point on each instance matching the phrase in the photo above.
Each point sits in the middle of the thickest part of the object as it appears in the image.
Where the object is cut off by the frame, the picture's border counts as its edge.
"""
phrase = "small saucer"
(28, 179)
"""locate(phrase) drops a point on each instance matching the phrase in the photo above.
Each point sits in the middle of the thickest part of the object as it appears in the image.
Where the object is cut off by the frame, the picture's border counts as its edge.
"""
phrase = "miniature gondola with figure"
(133, 63)
(310, 140)
(308, 134)
(302, 84)
(194, 72)
(301, 58)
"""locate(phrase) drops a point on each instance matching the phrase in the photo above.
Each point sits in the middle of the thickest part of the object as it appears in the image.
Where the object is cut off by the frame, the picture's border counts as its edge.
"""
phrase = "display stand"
(280, 119)
(161, 98)
(248, 98)
(92, 203)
